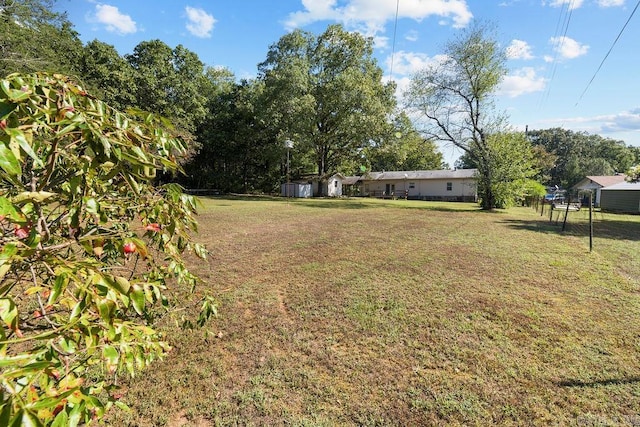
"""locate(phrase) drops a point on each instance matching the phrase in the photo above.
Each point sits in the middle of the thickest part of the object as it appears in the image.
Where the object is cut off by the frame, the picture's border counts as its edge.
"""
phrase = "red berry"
(154, 226)
(21, 233)
(129, 248)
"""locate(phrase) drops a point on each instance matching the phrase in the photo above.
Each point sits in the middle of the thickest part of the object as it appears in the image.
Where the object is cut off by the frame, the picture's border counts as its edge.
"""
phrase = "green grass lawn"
(369, 312)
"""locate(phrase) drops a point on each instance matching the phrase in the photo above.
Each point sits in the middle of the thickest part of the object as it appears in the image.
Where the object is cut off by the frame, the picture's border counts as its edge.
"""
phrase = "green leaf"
(76, 414)
(122, 285)
(33, 196)
(29, 419)
(141, 247)
(17, 419)
(110, 355)
(61, 281)
(7, 210)
(122, 406)
(91, 205)
(5, 412)
(137, 298)
(14, 360)
(105, 307)
(8, 251)
(61, 420)
(18, 136)
(77, 309)
(5, 109)
(18, 95)
(8, 161)
(8, 313)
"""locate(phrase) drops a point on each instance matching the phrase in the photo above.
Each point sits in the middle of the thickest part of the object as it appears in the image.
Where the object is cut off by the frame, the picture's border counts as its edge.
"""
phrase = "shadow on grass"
(597, 383)
(606, 228)
(398, 204)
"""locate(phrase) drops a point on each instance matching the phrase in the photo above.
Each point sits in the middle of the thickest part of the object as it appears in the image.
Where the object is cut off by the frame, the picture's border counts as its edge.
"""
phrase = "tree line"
(326, 94)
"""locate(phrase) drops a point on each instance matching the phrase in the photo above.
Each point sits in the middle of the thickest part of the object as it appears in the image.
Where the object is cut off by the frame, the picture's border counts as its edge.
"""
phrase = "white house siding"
(423, 185)
(294, 189)
(334, 186)
(461, 189)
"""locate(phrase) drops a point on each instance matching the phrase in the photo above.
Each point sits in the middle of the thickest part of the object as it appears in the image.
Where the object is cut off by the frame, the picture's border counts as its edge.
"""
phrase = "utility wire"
(569, 12)
(393, 46)
(607, 55)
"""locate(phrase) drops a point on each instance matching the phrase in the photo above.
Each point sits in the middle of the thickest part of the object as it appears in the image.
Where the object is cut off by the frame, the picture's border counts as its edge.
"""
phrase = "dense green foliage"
(578, 154)
(514, 168)
(403, 149)
(89, 246)
(326, 94)
(33, 38)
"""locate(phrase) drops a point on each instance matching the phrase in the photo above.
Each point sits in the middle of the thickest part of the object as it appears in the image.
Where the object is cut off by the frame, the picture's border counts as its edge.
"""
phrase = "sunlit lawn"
(369, 312)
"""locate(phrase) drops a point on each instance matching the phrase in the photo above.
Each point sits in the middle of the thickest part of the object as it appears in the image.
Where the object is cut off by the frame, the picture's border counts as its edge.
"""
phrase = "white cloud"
(369, 16)
(114, 21)
(200, 22)
(572, 4)
(616, 123)
(610, 3)
(412, 36)
(568, 48)
(519, 49)
(520, 82)
(408, 63)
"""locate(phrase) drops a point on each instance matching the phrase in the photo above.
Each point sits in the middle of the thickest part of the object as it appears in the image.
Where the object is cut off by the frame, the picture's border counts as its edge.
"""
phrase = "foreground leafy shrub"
(89, 248)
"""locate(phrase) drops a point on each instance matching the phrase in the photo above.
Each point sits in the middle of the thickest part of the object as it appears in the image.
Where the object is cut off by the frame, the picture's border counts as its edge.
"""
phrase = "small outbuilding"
(295, 189)
(623, 198)
(597, 183)
(331, 187)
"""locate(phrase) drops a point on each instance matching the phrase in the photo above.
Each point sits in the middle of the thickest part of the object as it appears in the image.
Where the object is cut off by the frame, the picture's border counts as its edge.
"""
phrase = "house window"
(335, 184)
(449, 186)
(412, 185)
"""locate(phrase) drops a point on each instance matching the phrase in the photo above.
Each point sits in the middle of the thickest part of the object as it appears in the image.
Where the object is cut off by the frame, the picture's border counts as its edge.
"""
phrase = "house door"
(390, 189)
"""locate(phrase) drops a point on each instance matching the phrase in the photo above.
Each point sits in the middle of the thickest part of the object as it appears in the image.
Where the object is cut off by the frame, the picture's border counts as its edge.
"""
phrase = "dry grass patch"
(358, 312)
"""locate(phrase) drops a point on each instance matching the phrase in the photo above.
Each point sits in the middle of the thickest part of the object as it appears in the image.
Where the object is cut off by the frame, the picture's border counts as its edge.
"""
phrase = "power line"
(610, 49)
(393, 47)
(559, 40)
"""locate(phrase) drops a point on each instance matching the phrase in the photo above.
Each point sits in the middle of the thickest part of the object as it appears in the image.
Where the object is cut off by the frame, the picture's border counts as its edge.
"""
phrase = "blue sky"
(555, 46)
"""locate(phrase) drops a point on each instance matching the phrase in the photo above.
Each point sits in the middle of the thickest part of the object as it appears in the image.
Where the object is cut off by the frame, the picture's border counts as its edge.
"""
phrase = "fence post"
(566, 213)
(590, 221)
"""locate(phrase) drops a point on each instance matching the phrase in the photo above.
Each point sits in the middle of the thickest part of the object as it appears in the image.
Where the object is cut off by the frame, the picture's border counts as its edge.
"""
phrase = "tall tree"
(515, 166)
(403, 149)
(326, 94)
(169, 82)
(240, 152)
(108, 74)
(455, 96)
(35, 38)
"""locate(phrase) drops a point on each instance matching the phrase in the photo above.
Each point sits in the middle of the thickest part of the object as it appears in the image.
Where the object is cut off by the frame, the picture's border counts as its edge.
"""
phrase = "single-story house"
(623, 197)
(591, 183)
(457, 185)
